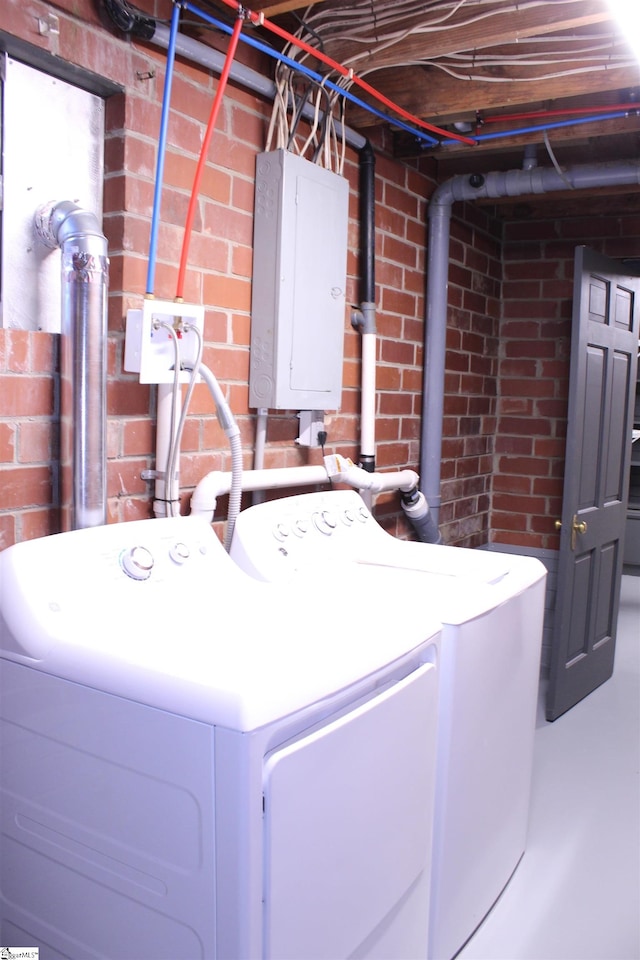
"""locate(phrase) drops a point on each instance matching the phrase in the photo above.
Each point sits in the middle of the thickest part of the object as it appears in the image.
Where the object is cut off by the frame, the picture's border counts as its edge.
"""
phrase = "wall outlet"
(311, 425)
(149, 347)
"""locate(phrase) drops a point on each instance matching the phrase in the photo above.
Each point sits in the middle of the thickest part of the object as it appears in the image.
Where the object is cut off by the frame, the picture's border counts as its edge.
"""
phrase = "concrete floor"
(576, 893)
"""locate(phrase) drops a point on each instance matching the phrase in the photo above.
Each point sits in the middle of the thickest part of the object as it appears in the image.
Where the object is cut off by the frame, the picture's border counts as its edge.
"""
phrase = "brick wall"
(219, 275)
(535, 336)
(507, 340)
(471, 376)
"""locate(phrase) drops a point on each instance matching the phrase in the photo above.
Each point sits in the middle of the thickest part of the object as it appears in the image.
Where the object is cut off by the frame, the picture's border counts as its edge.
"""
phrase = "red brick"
(7, 530)
(26, 396)
(137, 436)
(22, 487)
(528, 466)
(35, 441)
(39, 523)
(7, 442)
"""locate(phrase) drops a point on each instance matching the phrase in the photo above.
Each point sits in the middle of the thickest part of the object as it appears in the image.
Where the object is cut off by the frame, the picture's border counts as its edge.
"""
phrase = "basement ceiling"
(496, 72)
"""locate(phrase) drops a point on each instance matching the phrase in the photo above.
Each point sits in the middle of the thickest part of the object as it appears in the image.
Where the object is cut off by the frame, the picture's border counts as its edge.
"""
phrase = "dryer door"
(348, 822)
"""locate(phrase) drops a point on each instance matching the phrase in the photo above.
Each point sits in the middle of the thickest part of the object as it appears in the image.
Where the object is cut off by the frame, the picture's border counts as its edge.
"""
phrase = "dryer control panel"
(135, 571)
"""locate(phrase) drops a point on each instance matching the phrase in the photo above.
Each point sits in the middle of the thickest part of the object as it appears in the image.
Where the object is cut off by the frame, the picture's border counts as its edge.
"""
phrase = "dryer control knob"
(137, 563)
(281, 531)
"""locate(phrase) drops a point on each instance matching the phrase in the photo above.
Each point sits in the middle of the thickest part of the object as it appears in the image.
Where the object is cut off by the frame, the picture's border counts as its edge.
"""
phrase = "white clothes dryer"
(491, 606)
(199, 765)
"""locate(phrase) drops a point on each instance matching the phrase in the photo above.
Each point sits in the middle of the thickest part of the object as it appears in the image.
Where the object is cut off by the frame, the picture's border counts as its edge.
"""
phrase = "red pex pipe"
(195, 190)
(260, 20)
(560, 113)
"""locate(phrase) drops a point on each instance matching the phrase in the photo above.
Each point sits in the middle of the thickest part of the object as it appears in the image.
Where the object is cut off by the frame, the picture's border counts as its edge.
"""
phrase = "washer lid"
(156, 611)
(322, 531)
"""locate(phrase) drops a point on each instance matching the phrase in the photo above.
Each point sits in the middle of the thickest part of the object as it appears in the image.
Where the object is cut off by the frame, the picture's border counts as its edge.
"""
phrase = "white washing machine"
(491, 606)
(199, 765)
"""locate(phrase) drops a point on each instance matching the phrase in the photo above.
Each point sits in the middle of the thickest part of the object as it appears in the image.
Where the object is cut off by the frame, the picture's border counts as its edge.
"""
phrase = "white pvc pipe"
(218, 483)
(163, 442)
(368, 398)
(260, 446)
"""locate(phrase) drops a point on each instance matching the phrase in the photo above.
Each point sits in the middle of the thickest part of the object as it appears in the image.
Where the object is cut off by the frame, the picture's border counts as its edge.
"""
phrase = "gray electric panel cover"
(299, 284)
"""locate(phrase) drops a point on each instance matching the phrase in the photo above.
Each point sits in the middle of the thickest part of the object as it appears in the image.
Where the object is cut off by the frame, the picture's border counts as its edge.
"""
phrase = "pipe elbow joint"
(57, 222)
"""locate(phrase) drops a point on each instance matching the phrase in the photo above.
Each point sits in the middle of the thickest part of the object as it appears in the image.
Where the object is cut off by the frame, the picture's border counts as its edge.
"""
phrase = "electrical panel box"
(299, 284)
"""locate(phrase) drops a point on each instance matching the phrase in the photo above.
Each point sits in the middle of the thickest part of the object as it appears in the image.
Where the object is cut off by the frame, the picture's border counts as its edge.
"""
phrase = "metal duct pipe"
(83, 421)
(513, 183)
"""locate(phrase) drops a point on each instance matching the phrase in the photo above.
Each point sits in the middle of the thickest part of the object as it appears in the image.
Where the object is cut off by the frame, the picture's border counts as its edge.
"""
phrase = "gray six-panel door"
(604, 344)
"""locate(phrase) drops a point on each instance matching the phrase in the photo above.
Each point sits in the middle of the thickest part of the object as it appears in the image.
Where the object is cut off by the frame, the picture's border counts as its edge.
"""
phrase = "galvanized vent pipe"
(513, 183)
(83, 418)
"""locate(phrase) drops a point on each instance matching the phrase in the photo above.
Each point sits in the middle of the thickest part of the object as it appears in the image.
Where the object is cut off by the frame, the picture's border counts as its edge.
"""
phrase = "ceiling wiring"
(345, 72)
(308, 79)
(359, 23)
(360, 27)
(482, 78)
(419, 125)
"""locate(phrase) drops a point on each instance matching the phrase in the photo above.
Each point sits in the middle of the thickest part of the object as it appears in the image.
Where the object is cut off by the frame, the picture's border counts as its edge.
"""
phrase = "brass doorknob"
(577, 526)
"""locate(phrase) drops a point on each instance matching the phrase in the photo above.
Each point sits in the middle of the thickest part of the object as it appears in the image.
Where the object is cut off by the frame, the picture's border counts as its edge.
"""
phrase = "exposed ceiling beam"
(272, 9)
(406, 146)
(509, 25)
(436, 97)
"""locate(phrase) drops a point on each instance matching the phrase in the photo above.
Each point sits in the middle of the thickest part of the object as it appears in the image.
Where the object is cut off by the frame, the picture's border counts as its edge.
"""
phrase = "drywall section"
(52, 137)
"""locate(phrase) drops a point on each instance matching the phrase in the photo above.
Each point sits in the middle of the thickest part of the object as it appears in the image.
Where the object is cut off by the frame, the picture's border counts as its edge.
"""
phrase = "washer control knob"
(325, 522)
(179, 552)
(300, 527)
(137, 563)
(348, 517)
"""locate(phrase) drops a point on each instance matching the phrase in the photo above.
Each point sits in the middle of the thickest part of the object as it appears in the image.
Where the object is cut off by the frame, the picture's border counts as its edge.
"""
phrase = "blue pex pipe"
(481, 138)
(264, 48)
(162, 143)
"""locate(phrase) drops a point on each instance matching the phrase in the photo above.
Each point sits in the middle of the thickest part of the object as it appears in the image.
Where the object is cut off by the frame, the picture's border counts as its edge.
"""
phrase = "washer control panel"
(275, 538)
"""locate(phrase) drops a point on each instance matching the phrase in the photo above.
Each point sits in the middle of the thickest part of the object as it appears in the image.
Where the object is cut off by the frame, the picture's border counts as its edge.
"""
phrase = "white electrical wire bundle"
(318, 139)
(372, 27)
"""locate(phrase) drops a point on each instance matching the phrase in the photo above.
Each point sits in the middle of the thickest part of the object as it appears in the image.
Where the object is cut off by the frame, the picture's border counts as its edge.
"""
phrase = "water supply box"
(299, 284)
